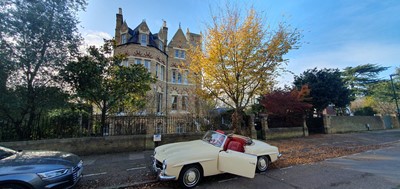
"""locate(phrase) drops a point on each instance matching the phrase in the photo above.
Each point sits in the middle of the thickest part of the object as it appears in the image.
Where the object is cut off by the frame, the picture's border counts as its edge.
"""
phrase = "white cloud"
(95, 38)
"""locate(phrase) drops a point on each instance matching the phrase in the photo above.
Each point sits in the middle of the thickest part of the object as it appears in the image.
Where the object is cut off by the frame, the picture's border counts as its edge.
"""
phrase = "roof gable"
(179, 40)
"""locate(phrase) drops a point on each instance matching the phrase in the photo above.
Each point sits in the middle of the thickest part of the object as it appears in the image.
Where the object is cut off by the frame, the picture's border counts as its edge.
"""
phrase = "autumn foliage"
(240, 58)
(287, 107)
(284, 102)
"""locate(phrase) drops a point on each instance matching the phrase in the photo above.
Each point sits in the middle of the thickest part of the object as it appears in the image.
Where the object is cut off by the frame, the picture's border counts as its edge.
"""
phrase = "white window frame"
(176, 53)
(143, 39)
(138, 61)
(183, 54)
(179, 78)
(157, 65)
(162, 73)
(147, 64)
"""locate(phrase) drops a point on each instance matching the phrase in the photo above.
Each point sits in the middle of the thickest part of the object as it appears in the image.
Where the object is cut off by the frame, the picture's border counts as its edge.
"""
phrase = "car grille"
(75, 171)
(158, 164)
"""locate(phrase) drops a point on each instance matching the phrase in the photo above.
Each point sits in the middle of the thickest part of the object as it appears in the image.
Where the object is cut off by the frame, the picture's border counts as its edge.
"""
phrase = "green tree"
(382, 94)
(360, 78)
(100, 79)
(240, 59)
(37, 37)
(327, 87)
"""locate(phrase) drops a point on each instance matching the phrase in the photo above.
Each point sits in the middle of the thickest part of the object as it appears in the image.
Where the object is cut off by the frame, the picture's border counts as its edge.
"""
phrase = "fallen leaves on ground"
(316, 148)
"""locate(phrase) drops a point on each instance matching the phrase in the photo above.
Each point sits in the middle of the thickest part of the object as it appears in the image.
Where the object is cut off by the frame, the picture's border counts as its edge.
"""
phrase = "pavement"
(376, 169)
(372, 169)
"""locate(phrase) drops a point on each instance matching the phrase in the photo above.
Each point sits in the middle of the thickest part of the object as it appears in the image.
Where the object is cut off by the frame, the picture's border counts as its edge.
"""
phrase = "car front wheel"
(262, 164)
(190, 176)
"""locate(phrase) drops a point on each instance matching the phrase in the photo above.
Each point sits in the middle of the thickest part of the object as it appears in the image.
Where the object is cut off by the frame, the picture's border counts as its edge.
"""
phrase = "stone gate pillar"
(327, 124)
(305, 128)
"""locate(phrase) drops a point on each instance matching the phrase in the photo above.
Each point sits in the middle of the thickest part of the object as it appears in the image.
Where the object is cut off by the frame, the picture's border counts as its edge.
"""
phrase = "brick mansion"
(172, 93)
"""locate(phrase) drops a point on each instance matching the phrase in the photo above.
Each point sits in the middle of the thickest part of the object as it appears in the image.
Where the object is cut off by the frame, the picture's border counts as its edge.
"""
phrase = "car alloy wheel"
(190, 176)
(262, 164)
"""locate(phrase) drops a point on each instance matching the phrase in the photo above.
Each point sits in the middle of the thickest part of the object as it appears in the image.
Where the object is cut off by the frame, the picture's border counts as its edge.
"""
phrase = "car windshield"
(214, 138)
(5, 152)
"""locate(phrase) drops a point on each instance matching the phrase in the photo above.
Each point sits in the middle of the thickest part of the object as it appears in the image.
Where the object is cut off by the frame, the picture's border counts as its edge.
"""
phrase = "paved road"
(368, 170)
(115, 170)
(374, 169)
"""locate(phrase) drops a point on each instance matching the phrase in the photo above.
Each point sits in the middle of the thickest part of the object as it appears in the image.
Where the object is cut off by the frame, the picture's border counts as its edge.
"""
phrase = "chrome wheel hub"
(262, 164)
(191, 177)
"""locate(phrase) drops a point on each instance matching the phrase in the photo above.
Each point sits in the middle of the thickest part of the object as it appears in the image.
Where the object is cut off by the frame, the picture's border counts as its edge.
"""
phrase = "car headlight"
(53, 174)
(164, 165)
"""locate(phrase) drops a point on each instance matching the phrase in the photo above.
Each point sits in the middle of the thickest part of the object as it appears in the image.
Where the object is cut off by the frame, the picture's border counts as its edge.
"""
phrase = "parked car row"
(187, 162)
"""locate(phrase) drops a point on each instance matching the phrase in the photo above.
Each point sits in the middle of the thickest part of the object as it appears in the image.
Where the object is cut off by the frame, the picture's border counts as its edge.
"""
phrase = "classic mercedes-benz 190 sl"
(216, 153)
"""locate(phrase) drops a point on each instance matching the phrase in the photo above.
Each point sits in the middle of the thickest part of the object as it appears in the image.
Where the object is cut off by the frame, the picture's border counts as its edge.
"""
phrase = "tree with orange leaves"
(240, 58)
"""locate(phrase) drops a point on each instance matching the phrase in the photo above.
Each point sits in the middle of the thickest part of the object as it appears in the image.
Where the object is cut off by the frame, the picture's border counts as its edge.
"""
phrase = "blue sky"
(337, 33)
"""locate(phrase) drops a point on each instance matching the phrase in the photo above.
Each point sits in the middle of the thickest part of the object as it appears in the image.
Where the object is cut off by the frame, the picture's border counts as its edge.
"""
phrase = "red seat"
(235, 146)
(228, 140)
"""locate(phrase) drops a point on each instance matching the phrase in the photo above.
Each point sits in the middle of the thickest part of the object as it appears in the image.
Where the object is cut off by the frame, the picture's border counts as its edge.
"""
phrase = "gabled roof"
(179, 40)
(134, 36)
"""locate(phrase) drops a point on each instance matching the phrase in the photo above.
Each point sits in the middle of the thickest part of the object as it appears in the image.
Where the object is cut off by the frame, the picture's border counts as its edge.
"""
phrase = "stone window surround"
(152, 62)
(141, 39)
(180, 51)
(174, 102)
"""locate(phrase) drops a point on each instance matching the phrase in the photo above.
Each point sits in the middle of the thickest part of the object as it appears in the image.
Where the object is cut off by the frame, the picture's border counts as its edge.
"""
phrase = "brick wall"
(275, 133)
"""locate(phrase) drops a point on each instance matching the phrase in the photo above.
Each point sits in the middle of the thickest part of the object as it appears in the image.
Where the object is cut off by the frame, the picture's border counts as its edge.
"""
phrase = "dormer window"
(143, 39)
(123, 38)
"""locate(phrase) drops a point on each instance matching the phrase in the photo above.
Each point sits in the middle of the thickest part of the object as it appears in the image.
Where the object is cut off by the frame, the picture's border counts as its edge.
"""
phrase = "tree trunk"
(236, 119)
(103, 117)
(31, 112)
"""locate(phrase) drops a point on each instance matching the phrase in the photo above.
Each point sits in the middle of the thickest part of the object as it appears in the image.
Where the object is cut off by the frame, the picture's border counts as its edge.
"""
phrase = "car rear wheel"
(190, 176)
(262, 164)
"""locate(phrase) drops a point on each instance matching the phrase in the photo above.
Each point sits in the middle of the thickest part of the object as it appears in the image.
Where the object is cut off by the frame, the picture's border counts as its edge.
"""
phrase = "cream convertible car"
(216, 153)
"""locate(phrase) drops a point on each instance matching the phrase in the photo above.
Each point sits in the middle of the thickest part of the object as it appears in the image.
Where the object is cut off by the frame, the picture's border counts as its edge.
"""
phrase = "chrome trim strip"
(161, 173)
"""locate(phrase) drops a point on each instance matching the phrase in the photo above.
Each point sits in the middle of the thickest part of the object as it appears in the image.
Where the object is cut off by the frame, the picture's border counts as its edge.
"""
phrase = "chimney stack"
(119, 22)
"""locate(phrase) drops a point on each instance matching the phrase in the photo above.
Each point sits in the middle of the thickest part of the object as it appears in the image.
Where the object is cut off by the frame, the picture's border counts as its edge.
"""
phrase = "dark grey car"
(38, 169)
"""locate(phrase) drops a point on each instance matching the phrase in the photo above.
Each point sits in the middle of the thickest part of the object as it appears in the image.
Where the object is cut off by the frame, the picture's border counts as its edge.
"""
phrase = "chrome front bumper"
(161, 173)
